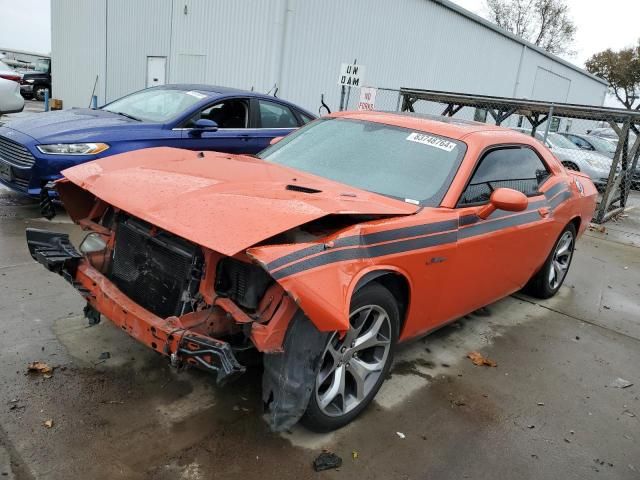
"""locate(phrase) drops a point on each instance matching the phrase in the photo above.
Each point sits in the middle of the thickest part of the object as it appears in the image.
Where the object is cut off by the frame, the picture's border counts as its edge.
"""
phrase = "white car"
(10, 99)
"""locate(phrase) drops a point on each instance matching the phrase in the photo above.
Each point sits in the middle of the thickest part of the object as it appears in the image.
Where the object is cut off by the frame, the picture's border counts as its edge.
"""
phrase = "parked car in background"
(593, 143)
(34, 83)
(34, 150)
(10, 99)
(359, 231)
(594, 164)
(609, 134)
(9, 73)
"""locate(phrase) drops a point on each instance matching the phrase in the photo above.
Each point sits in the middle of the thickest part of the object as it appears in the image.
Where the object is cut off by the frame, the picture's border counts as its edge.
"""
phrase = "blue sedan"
(33, 150)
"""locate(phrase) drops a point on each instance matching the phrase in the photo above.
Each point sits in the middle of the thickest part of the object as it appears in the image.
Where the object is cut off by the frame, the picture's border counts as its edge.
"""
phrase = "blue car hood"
(76, 125)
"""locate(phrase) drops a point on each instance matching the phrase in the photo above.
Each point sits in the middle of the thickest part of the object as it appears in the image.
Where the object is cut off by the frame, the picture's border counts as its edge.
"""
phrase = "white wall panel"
(78, 38)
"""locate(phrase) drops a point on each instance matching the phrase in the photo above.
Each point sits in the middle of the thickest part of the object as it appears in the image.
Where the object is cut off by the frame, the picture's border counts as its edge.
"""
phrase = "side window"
(305, 118)
(581, 142)
(227, 114)
(519, 168)
(274, 115)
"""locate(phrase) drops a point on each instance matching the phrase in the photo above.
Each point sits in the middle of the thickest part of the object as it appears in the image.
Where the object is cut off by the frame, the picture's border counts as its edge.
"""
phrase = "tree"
(622, 70)
(545, 23)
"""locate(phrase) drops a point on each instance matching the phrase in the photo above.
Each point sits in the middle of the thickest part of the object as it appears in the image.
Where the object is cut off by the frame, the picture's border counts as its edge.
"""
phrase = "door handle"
(544, 211)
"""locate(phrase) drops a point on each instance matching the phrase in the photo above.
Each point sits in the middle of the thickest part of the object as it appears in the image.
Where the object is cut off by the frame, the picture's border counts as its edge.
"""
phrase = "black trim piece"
(555, 189)
(365, 240)
(490, 226)
(472, 218)
(369, 252)
(556, 201)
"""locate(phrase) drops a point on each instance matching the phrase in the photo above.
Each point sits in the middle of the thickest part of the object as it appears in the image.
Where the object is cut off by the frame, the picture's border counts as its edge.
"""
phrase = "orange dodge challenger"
(354, 233)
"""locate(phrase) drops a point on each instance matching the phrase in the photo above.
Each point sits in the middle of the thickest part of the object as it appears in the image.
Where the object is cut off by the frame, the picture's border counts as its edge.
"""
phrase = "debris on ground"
(541, 404)
(458, 402)
(478, 359)
(531, 426)
(401, 435)
(39, 367)
(482, 312)
(354, 455)
(594, 227)
(104, 356)
(620, 383)
(48, 423)
(629, 413)
(326, 461)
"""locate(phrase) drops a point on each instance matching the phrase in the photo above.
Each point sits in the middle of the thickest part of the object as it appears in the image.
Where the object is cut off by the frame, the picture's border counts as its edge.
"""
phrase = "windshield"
(413, 166)
(155, 105)
(558, 141)
(42, 65)
(601, 144)
(5, 67)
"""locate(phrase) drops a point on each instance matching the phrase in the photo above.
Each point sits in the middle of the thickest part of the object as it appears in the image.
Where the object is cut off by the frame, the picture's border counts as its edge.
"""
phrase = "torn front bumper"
(168, 336)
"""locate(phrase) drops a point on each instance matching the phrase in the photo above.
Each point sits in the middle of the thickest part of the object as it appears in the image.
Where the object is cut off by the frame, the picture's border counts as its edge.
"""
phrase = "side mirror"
(203, 125)
(275, 140)
(505, 199)
(586, 147)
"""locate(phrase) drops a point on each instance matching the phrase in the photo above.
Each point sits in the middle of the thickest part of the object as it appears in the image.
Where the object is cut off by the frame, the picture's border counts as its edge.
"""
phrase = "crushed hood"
(223, 202)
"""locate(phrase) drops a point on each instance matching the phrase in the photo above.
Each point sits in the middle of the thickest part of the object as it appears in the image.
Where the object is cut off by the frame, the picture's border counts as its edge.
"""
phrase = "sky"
(601, 25)
(26, 25)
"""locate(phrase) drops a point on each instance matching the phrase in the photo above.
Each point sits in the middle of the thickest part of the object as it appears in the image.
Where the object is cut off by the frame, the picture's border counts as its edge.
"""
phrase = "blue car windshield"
(409, 165)
(154, 105)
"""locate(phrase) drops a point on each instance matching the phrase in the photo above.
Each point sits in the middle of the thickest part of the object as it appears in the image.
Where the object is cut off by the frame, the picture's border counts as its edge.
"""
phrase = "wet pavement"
(548, 410)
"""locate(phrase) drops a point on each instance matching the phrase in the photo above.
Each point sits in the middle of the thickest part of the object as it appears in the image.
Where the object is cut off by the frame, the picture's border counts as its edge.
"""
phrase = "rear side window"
(274, 115)
(305, 118)
(518, 168)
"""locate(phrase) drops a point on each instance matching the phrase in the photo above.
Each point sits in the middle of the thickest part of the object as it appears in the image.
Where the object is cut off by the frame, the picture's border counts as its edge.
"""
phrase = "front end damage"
(193, 305)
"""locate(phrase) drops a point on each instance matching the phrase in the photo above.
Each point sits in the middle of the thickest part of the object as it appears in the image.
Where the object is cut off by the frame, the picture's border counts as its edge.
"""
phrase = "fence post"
(46, 99)
(342, 94)
(546, 130)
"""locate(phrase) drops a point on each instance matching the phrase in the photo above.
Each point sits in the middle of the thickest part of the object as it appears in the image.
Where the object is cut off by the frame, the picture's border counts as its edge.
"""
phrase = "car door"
(234, 135)
(274, 119)
(498, 255)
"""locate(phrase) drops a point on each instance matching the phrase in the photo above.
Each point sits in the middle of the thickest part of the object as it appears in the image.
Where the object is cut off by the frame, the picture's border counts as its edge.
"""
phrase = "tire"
(545, 283)
(571, 166)
(39, 94)
(373, 306)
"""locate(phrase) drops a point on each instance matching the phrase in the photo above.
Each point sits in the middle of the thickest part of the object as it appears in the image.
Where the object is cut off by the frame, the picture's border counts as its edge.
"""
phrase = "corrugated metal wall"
(78, 46)
(300, 44)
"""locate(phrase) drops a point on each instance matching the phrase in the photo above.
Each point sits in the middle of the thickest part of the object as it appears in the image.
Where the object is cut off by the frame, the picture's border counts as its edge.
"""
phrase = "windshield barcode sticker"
(440, 143)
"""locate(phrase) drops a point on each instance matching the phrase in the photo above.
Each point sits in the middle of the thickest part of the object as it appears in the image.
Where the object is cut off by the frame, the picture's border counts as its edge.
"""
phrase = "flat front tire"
(353, 368)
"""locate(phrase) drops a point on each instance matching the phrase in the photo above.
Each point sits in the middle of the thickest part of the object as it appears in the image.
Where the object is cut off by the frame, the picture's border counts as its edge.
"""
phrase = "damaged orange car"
(354, 233)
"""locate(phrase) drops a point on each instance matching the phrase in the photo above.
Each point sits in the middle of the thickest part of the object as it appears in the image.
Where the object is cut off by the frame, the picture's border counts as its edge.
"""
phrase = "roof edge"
(483, 21)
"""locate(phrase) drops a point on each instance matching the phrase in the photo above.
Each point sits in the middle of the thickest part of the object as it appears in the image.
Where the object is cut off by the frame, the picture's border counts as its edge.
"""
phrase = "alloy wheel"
(561, 260)
(351, 366)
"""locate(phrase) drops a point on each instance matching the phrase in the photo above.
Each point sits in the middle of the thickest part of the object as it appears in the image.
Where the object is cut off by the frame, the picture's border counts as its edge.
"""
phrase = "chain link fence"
(603, 143)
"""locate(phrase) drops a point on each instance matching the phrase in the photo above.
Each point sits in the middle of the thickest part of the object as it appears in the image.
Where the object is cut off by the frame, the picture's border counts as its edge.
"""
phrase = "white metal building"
(124, 45)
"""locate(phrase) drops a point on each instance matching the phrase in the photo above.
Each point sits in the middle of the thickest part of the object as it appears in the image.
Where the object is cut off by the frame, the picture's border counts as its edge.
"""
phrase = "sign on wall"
(351, 75)
(367, 98)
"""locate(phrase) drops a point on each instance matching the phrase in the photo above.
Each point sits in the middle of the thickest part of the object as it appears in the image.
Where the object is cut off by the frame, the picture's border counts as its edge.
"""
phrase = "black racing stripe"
(334, 256)
(473, 218)
(557, 188)
(555, 202)
(364, 240)
(491, 226)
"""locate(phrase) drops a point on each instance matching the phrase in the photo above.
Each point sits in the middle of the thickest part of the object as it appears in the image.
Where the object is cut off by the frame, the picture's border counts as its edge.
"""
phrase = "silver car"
(594, 164)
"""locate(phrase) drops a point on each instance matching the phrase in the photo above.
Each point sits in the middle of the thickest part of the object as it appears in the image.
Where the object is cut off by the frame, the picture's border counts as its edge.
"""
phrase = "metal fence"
(603, 143)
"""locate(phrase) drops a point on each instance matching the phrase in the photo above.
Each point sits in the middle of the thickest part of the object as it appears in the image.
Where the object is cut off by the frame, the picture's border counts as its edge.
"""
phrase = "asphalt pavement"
(552, 408)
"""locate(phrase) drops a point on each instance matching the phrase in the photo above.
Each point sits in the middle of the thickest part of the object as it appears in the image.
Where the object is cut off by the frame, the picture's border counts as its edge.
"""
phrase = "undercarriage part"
(242, 282)
(288, 379)
(47, 208)
(53, 250)
(157, 270)
(91, 314)
(210, 354)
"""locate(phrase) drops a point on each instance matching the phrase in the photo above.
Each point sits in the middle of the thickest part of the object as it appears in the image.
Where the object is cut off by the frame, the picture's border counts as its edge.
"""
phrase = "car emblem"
(580, 187)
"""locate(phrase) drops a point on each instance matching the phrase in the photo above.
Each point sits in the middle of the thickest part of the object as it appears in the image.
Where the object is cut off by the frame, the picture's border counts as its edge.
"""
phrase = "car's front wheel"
(549, 279)
(353, 367)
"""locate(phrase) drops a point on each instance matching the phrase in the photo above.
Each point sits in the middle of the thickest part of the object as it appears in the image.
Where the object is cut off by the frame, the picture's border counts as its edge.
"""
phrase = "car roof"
(455, 128)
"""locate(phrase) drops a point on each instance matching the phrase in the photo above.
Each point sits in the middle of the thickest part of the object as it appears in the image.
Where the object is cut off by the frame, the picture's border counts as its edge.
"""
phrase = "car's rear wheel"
(353, 368)
(549, 279)
(571, 166)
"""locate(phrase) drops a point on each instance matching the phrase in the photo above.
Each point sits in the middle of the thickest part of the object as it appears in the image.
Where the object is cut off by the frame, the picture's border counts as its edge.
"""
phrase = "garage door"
(550, 86)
